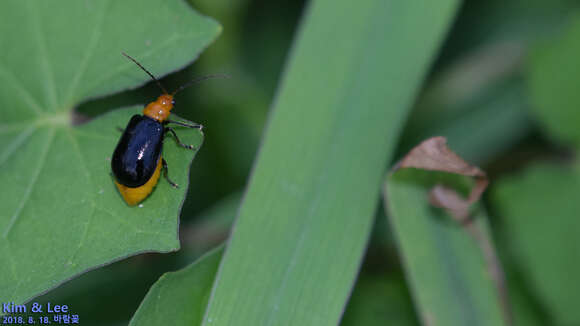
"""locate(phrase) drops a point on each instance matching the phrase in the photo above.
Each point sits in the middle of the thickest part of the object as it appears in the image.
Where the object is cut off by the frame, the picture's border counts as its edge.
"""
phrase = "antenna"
(197, 80)
(148, 73)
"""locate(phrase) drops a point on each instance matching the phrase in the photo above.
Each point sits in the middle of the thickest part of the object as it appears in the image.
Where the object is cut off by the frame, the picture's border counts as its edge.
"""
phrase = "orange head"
(159, 109)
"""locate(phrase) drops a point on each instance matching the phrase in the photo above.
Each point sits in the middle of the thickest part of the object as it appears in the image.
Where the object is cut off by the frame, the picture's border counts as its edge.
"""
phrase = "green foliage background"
(498, 79)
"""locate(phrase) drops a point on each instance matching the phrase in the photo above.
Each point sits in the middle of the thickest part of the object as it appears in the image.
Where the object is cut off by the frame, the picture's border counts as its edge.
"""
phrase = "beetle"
(137, 161)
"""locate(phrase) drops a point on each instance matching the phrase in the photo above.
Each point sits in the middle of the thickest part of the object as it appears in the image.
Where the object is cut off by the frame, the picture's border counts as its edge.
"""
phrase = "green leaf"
(72, 217)
(539, 211)
(166, 301)
(554, 76)
(307, 213)
(61, 213)
(445, 267)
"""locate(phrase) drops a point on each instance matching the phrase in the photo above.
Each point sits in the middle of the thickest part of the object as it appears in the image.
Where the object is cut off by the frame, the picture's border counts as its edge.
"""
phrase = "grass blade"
(307, 213)
(454, 274)
(166, 300)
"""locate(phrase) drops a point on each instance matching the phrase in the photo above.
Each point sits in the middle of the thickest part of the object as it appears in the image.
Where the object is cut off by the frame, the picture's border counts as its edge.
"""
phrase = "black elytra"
(138, 152)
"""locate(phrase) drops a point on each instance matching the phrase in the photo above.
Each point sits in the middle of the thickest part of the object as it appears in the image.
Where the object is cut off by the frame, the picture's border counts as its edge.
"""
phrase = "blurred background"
(485, 92)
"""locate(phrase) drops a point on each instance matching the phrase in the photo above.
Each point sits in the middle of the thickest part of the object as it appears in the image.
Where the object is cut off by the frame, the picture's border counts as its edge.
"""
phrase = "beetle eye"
(172, 101)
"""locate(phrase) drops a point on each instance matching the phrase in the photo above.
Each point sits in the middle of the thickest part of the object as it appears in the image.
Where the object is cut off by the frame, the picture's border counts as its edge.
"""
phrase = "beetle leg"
(164, 164)
(188, 125)
(179, 141)
(120, 129)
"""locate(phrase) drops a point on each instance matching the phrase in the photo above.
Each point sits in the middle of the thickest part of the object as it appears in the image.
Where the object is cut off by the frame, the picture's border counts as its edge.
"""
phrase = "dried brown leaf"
(434, 155)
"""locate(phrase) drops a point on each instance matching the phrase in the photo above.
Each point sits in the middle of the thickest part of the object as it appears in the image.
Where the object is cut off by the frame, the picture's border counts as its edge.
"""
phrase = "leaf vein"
(23, 94)
(91, 199)
(125, 222)
(50, 85)
(16, 143)
(25, 197)
(94, 40)
(124, 67)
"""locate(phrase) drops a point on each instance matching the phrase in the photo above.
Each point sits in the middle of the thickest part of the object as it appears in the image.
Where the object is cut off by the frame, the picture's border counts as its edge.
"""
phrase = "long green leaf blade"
(445, 266)
(307, 212)
(166, 301)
